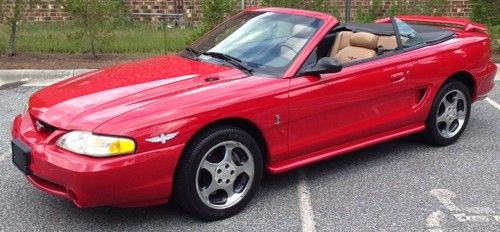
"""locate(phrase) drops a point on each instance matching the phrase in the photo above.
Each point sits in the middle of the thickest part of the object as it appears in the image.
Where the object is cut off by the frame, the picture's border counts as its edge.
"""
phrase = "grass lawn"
(134, 39)
(126, 39)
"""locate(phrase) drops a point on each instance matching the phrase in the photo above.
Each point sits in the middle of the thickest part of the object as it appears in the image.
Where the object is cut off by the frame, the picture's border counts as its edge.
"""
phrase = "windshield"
(265, 42)
(409, 37)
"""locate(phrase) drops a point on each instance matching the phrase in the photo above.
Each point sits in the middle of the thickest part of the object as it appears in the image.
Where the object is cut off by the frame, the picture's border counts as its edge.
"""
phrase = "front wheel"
(220, 171)
(449, 114)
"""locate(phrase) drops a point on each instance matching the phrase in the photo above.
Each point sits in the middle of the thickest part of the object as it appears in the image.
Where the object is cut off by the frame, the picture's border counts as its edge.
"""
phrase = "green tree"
(1, 11)
(486, 11)
(368, 15)
(284, 3)
(316, 5)
(11, 13)
(397, 7)
(95, 18)
(215, 11)
(334, 9)
(434, 7)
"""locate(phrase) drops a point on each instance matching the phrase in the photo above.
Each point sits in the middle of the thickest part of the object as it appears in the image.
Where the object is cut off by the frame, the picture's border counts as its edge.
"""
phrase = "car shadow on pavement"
(370, 156)
(276, 200)
(276, 191)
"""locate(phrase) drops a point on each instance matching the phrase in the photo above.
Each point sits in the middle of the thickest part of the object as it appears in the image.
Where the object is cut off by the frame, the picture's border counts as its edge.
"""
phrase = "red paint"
(321, 117)
(467, 25)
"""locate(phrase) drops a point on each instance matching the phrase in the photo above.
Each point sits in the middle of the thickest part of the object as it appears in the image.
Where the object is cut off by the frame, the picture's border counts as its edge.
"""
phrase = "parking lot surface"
(401, 185)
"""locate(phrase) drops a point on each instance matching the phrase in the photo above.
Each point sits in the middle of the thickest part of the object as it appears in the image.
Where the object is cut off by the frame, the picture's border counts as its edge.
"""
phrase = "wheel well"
(467, 79)
(243, 124)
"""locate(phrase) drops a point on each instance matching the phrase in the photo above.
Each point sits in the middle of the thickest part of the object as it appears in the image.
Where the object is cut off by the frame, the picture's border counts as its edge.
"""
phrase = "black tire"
(186, 187)
(433, 135)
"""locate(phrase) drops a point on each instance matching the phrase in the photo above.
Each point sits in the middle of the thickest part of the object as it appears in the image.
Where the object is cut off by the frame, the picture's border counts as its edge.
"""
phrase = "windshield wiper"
(230, 59)
(194, 52)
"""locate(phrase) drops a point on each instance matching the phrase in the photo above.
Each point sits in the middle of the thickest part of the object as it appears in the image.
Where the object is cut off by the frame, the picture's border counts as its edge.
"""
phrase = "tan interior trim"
(341, 42)
(388, 42)
(364, 40)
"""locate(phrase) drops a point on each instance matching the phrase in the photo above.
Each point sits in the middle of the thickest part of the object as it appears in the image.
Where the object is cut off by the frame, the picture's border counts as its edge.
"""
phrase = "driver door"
(362, 100)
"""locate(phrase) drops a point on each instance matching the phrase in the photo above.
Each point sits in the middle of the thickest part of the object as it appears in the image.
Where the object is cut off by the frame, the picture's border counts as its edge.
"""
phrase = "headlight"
(86, 143)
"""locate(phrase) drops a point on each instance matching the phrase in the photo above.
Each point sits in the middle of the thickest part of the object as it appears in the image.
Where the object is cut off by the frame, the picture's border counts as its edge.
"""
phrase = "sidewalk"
(35, 77)
(17, 74)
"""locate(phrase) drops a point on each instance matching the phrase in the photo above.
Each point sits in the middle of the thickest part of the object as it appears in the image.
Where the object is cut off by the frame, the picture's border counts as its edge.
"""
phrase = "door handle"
(397, 77)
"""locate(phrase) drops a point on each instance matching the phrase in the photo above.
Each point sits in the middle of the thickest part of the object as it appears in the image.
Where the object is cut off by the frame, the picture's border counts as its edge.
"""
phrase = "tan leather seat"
(362, 46)
(388, 42)
(341, 41)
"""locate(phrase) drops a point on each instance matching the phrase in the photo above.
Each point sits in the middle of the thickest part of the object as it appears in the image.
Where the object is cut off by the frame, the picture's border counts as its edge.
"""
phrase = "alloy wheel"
(225, 175)
(451, 115)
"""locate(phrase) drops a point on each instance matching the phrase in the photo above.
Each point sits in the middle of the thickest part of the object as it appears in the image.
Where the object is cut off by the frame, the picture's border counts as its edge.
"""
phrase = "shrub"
(284, 3)
(398, 7)
(373, 12)
(495, 38)
(94, 18)
(215, 11)
(316, 5)
(14, 9)
(486, 11)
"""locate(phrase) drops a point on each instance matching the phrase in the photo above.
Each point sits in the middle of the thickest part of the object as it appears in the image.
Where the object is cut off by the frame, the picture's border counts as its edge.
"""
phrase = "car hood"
(86, 101)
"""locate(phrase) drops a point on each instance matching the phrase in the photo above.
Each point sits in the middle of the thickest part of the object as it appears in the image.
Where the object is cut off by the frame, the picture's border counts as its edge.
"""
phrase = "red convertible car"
(270, 89)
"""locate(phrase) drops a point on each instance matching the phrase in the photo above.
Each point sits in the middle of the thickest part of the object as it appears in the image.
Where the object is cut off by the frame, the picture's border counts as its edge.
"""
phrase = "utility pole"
(242, 4)
(347, 11)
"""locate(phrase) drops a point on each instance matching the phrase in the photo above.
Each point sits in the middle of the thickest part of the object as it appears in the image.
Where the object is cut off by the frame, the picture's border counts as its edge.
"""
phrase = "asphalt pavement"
(402, 185)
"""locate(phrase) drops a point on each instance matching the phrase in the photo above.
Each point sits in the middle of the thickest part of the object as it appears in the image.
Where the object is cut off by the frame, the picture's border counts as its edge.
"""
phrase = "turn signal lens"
(122, 146)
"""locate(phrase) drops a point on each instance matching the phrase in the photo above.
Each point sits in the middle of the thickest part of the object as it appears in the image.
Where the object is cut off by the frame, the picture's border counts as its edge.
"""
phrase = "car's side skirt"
(342, 149)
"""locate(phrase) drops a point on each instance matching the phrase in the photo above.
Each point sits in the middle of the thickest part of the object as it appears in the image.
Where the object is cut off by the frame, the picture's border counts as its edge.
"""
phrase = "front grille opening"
(49, 185)
(44, 127)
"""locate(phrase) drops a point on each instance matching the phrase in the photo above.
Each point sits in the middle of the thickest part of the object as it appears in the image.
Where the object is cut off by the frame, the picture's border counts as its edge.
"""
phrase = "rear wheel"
(219, 173)
(449, 114)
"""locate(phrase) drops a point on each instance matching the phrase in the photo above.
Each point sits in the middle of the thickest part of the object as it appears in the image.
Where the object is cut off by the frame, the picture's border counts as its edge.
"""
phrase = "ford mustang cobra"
(268, 90)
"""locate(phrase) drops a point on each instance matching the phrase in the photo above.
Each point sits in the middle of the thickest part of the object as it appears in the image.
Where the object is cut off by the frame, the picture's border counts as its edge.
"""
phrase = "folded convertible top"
(428, 33)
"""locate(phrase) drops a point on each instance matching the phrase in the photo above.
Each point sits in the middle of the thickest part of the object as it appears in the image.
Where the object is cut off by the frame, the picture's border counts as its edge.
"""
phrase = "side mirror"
(324, 65)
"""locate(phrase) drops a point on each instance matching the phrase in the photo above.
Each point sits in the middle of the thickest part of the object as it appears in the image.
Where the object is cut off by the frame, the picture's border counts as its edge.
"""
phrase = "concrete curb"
(18, 74)
(497, 78)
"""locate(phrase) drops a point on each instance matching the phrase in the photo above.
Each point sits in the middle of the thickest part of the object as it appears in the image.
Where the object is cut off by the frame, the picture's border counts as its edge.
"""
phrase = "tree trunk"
(92, 43)
(12, 40)
(90, 31)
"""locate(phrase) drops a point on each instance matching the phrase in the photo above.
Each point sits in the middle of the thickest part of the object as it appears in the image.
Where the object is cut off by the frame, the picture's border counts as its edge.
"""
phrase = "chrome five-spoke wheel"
(451, 113)
(224, 175)
(219, 172)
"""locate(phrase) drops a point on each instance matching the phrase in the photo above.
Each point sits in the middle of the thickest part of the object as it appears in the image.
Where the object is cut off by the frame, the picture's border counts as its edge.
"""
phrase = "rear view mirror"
(324, 65)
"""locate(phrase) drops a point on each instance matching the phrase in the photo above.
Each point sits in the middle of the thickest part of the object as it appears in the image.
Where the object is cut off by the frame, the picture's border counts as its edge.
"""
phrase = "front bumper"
(126, 181)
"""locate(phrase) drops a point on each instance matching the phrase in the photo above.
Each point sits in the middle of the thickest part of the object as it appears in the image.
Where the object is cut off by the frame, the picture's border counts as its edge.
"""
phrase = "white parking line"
(445, 197)
(493, 103)
(306, 212)
(467, 214)
(434, 220)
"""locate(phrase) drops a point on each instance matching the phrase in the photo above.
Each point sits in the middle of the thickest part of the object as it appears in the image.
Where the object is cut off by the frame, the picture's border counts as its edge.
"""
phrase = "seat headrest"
(302, 31)
(364, 40)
